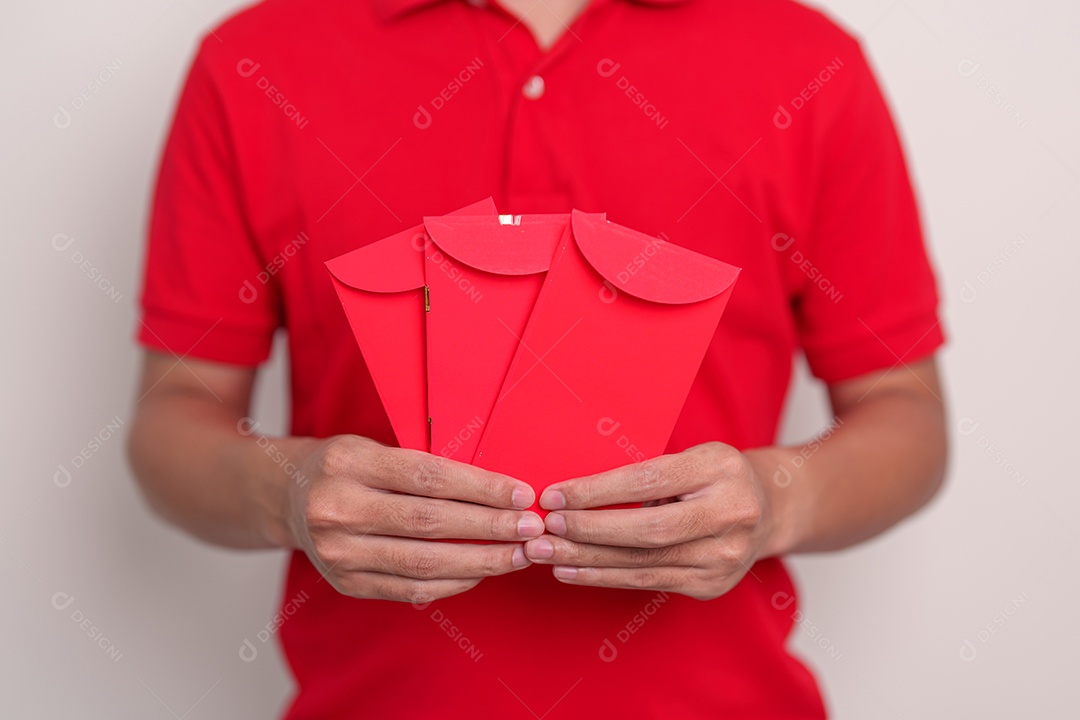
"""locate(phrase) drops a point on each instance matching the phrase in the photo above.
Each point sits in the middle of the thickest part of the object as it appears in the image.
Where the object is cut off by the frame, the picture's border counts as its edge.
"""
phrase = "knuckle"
(492, 563)
(579, 529)
(431, 476)
(338, 456)
(660, 531)
(414, 591)
(727, 559)
(643, 556)
(323, 508)
(329, 552)
(753, 511)
(732, 464)
(422, 592)
(645, 579)
(499, 526)
(425, 519)
(388, 462)
(697, 523)
(650, 478)
(422, 564)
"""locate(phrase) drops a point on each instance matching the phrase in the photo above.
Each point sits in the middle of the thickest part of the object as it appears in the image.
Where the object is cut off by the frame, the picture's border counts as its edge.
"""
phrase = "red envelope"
(483, 275)
(381, 287)
(611, 349)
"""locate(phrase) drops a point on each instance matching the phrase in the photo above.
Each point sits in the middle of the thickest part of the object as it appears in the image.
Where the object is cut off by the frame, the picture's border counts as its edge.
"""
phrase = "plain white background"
(965, 611)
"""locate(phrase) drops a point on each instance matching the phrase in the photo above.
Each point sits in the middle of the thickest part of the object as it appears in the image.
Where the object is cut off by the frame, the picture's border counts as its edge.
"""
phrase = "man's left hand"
(705, 520)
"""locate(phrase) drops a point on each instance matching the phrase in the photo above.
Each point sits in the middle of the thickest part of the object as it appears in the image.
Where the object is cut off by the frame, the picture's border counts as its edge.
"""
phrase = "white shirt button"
(533, 88)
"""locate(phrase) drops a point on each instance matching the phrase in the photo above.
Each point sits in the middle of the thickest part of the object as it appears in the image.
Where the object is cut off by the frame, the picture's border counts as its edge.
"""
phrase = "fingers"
(663, 477)
(672, 579)
(383, 586)
(650, 527)
(425, 560)
(698, 583)
(423, 474)
(422, 517)
(551, 550)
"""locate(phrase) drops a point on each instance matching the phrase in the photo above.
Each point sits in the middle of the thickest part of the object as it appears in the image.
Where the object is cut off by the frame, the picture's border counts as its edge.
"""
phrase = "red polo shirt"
(750, 131)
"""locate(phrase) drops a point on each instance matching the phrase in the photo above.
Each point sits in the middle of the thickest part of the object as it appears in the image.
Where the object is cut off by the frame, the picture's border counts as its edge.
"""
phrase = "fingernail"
(522, 497)
(530, 525)
(565, 573)
(519, 560)
(556, 524)
(553, 500)
(540, 549)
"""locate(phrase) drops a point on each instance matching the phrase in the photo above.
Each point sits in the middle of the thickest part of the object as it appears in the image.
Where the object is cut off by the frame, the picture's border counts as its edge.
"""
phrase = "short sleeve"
(868, 298)
(206, 291)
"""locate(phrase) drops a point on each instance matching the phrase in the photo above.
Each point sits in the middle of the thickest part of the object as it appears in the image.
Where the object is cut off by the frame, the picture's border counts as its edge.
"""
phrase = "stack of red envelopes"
(544, 347)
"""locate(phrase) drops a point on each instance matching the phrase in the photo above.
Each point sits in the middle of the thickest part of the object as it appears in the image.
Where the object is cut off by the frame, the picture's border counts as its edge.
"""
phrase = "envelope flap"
(647, 267)
(396, 263)
(504, 245)
(393, 264)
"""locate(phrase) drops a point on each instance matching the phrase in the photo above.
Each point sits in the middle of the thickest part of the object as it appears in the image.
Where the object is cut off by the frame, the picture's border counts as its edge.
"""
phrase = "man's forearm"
(201, 468)
(884, 459)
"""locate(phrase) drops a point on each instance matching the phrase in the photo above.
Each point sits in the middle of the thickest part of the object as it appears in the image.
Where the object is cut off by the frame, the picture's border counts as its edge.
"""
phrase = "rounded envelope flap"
(393, 264)
(521, 245)
(647, 267)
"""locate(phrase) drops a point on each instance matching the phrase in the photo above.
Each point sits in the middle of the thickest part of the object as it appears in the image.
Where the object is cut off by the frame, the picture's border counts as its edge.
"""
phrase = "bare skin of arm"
(364, 513)
(712, 511)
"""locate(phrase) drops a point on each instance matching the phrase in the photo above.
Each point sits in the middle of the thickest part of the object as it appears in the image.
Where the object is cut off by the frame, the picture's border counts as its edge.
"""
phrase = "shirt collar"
(391, 9)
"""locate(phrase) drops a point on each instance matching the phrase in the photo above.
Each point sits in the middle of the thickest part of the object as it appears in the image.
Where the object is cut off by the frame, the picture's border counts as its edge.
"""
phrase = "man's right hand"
(369, 516)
